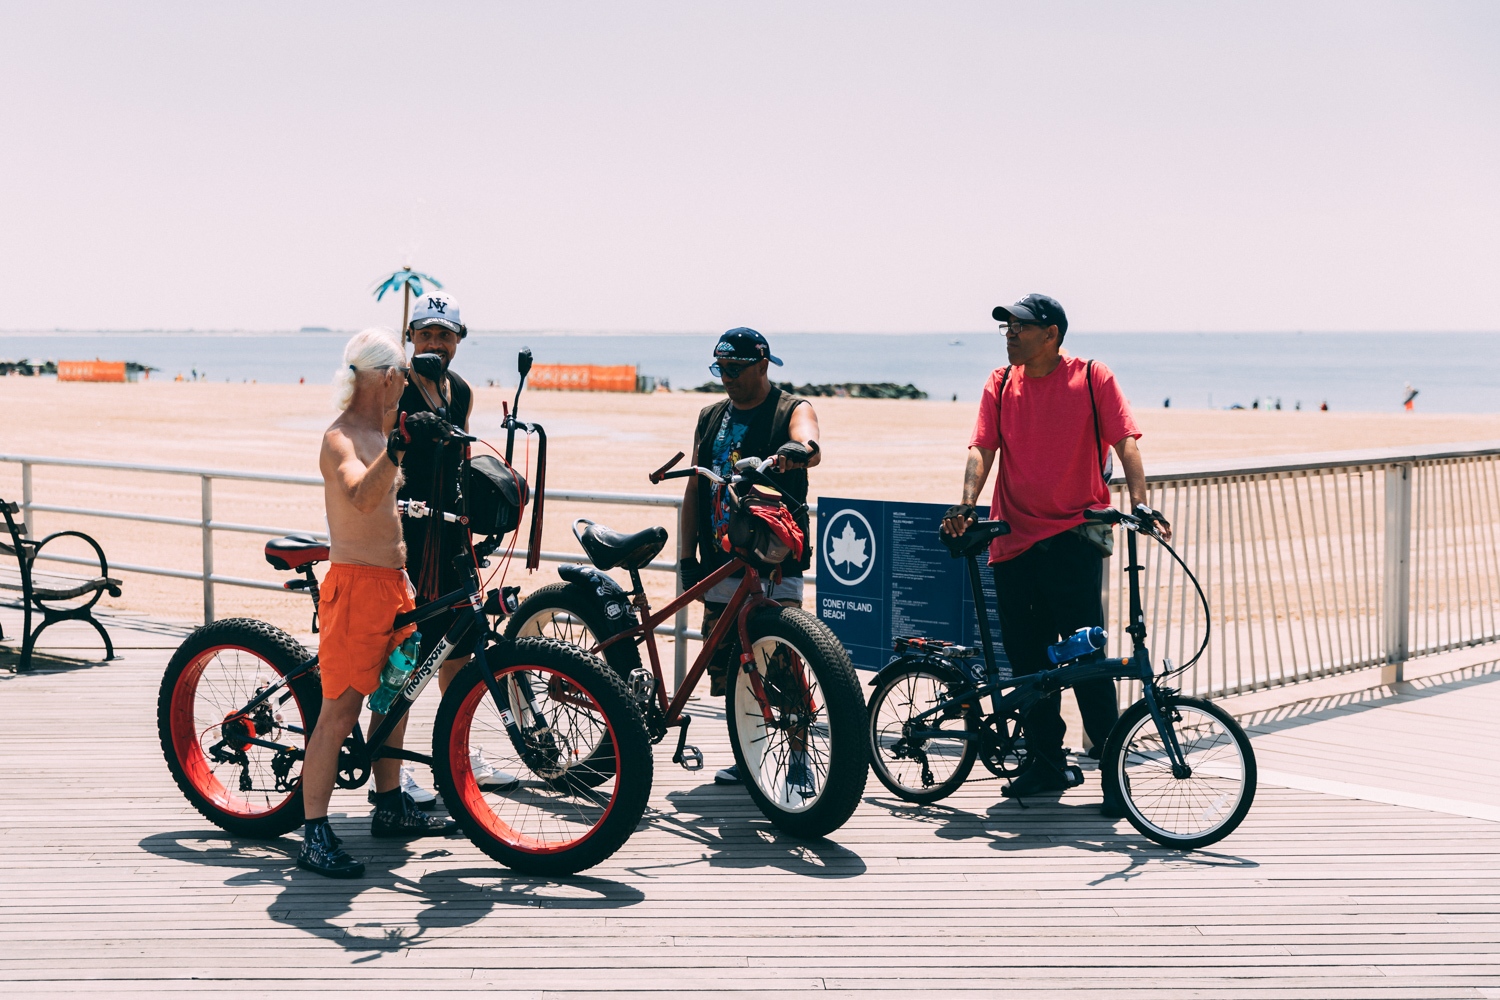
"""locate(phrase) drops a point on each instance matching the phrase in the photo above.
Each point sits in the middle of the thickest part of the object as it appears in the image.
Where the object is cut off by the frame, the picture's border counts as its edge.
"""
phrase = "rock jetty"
(855, 390)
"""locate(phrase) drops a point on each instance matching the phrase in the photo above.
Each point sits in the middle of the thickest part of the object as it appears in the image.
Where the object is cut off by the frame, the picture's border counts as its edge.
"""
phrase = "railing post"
(208, 551)
(26, 498)
(1397, 607)
(680, 627)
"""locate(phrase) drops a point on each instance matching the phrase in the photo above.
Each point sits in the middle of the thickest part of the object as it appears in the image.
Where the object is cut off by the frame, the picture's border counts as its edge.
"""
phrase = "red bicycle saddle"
(295, 551)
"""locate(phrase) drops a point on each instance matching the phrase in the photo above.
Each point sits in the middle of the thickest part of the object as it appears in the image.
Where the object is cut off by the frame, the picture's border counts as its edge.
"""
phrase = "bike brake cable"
(1208, 621)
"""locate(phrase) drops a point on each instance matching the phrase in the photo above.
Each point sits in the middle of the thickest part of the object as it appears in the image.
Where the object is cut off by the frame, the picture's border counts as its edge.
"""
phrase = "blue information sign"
(883, 573)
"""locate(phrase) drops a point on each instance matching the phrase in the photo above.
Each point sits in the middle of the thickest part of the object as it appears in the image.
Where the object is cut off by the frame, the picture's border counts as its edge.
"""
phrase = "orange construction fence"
(583, 378)
(91, 371)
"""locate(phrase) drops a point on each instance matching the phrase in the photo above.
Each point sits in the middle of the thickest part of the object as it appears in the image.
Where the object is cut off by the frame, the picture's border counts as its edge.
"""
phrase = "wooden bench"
(45, 592)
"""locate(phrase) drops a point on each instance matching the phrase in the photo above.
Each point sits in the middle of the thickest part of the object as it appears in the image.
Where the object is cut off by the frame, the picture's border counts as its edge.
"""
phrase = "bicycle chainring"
(353, 772)
(1003, 751)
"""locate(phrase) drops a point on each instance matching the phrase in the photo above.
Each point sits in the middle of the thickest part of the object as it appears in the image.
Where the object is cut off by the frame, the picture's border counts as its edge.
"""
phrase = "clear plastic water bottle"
(398, 667)
(1080, 643)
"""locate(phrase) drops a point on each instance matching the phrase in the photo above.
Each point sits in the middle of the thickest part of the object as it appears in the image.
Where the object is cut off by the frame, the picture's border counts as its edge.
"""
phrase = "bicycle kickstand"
(690, 757)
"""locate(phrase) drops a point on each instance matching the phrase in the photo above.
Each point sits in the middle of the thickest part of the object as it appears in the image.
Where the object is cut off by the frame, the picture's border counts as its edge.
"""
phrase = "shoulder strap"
(1088, 376)
(1000, 402)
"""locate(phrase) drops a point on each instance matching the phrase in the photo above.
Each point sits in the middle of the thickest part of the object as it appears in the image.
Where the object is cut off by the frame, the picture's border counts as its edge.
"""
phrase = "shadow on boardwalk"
(313, 904)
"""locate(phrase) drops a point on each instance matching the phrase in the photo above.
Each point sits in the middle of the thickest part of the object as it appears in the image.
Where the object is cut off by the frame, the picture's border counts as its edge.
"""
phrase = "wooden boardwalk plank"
(113, 885)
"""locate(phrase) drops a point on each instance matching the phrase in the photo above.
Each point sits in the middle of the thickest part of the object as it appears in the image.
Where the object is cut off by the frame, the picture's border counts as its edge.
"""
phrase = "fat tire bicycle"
(240, 697)
(1182, 767)
(794, 707)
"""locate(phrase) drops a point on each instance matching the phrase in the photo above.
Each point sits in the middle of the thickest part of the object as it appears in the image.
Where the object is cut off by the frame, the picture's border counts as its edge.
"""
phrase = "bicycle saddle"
(975, 540)
(608, 549)
(295, 551)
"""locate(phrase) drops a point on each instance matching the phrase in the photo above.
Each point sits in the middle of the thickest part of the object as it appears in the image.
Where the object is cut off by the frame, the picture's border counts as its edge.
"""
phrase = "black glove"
(423, 426)
(690, 571)
(796, 455)
(963, 510)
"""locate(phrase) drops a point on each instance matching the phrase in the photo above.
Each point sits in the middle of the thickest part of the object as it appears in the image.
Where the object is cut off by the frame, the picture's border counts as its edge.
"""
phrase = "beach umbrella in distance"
(411, 283)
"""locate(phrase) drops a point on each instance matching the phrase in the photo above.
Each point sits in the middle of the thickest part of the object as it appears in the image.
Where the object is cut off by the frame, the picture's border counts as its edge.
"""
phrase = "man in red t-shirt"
(1051, 418)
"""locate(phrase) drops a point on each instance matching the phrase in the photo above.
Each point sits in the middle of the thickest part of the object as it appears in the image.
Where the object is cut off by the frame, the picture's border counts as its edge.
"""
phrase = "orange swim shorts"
(357, 607)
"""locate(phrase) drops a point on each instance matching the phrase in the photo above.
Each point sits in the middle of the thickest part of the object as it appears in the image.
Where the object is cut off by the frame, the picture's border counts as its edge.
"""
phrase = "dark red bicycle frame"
(746, 599)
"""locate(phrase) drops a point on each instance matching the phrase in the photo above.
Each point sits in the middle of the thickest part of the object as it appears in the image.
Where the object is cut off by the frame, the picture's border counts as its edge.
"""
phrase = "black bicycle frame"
(375, 749)
(1032, 688)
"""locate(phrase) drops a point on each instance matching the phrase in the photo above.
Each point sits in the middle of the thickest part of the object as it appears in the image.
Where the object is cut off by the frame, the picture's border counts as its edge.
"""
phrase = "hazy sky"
(797, 166)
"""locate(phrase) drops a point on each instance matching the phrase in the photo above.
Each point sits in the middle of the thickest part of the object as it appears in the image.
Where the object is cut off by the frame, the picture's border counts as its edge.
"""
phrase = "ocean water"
(1366, 372)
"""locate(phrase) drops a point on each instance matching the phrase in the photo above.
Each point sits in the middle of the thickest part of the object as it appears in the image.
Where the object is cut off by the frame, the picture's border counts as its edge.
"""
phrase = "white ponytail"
(368, 350)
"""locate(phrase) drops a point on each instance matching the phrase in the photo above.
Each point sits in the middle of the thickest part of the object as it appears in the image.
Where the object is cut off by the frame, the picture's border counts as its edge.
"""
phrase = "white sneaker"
(489, 777)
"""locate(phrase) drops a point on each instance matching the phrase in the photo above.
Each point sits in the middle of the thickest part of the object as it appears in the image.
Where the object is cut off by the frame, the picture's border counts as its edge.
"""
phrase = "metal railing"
(1322, 565)
(206, 525)
(1312, 566)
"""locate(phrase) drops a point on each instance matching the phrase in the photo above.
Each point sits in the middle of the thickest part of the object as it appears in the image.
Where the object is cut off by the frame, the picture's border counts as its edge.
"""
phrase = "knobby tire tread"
(282, 653)
(634, 748)
(844, 702)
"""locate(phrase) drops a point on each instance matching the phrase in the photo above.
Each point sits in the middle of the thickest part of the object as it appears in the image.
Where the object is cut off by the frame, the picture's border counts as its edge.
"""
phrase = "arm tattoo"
(973, 479)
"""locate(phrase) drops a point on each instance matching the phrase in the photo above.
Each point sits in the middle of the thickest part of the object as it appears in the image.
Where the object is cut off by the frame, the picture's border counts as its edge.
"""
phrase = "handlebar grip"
(679, 474)
(1104, 515)
(661, 473)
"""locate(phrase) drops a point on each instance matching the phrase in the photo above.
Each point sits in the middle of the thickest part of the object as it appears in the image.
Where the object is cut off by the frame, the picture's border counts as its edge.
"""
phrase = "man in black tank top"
(431, 474)
(756, 419)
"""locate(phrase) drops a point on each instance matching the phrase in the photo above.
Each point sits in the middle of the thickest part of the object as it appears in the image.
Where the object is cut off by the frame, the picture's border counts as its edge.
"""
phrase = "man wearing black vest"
(430, 473)
(756, 419)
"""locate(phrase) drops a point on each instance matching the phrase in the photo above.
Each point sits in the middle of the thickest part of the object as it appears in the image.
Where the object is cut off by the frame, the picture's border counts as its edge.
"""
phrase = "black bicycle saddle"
(608, 549)
(975, 540)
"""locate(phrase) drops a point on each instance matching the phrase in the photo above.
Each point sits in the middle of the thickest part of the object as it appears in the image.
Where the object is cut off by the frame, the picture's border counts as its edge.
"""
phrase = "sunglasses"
(730, 369)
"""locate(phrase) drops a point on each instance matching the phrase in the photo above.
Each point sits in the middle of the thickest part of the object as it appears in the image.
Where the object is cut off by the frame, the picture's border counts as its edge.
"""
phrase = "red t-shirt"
(1047, 473)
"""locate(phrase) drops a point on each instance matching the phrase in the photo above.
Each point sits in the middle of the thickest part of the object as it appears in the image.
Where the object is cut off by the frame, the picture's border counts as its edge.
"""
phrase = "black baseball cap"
(1034, 308)
(744, 344)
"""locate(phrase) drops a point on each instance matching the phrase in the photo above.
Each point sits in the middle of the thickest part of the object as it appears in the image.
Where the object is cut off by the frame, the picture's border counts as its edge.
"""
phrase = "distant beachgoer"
(1324, 407)
(757, 419)
(1166, 404)
(365, 589)
(1410, 401)
(1051, 418)
(430, 474)
(1255, 403)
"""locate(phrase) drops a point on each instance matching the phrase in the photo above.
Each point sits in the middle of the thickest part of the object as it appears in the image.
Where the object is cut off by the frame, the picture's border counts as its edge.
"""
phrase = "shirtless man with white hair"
(365, 589)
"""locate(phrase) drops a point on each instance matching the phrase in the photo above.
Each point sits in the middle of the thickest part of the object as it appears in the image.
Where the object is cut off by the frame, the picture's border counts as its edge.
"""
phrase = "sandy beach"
(889, 449)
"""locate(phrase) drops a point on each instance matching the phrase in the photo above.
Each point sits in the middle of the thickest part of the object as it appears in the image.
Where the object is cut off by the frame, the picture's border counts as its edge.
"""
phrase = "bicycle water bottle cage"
(974, 541)
(295, 551)
(610, 549)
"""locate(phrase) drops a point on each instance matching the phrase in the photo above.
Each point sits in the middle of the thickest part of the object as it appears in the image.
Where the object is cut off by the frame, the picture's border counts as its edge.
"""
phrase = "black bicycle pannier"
(496, 494)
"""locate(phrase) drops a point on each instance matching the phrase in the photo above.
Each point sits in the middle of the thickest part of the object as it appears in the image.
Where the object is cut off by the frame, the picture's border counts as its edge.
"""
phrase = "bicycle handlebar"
(1144, 519)
(419, 509)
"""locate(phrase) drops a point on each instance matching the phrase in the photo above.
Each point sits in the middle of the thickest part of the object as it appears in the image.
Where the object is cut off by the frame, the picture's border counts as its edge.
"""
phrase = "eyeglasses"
(1014, 327)
(730, 369)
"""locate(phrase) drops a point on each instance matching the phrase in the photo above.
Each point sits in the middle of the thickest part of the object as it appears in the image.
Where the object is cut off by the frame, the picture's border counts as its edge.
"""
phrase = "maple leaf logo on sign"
(848, 547)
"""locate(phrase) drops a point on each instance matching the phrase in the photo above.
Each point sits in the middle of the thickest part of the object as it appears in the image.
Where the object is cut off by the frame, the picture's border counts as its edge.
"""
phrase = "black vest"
(770, 429)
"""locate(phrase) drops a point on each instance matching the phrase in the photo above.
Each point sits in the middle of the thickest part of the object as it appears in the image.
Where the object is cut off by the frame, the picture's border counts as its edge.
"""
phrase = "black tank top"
(431, 472)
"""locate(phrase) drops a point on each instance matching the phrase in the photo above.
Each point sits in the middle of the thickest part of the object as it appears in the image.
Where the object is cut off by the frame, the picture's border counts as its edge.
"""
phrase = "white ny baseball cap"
(436, 309)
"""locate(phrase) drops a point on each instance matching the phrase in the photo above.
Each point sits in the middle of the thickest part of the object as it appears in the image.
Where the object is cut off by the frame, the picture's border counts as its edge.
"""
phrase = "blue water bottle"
(398, 666)
(1080, 643)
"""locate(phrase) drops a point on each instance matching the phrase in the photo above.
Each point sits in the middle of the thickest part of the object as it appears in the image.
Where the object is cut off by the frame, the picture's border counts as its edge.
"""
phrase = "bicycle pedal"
(1074, 775)
(690, 757)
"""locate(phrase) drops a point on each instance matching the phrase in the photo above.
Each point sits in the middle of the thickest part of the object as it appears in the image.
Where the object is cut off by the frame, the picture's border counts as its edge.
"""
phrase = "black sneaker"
(1041, 777)
(324, 854)
(396, 815)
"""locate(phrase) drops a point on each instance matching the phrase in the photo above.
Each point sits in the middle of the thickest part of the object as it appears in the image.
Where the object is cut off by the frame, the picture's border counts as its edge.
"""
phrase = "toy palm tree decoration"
(411, 283)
